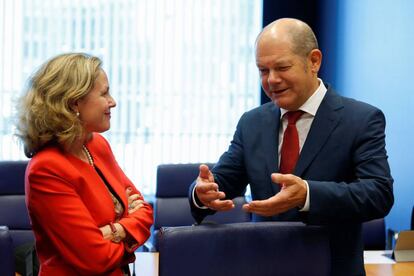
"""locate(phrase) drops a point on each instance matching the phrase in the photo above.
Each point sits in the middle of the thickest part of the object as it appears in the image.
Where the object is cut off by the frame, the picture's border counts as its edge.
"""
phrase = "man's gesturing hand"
(291, 195)
(207, 191)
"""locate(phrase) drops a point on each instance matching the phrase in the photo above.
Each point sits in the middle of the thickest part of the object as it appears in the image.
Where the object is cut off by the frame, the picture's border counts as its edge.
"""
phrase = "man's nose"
(274, 77)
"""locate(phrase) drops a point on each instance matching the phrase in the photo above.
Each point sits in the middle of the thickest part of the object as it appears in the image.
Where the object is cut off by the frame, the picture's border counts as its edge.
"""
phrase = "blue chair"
(244, 249)
(6, 252)
(15, 225)
(171, 206)
(373, 233)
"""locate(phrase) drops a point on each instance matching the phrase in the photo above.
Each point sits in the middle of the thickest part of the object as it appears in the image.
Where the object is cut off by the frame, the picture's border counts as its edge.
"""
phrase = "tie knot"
(293, 116)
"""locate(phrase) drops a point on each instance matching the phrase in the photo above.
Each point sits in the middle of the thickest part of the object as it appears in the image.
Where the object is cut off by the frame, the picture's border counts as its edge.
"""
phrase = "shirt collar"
(312, 104)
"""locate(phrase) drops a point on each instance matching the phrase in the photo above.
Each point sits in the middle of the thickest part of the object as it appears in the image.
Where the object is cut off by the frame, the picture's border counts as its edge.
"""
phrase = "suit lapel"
(270, 142)
(326, 119)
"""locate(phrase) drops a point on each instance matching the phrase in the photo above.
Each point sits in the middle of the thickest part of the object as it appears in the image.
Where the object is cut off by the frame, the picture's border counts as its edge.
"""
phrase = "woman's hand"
(135, 201)
(106, 232)
(108, 235)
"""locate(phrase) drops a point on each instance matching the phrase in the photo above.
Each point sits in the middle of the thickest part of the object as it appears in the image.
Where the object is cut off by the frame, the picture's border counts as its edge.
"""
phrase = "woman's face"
(95, 108)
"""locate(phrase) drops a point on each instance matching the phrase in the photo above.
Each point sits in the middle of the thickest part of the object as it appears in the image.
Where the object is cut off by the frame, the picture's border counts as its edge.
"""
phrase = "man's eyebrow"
(275, 63)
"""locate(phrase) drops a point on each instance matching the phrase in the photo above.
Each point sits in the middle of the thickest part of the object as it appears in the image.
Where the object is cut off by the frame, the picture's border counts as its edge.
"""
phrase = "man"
(341, 177)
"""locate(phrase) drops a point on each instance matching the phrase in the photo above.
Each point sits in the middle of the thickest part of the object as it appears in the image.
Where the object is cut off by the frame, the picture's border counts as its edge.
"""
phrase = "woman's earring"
(77, 114)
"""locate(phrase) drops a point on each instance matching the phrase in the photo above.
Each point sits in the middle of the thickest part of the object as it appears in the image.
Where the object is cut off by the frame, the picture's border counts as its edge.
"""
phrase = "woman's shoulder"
(48, 158)
(47, 154)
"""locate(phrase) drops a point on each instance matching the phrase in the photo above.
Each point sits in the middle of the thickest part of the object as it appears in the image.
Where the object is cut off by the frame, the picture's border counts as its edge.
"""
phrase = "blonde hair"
(45, 115)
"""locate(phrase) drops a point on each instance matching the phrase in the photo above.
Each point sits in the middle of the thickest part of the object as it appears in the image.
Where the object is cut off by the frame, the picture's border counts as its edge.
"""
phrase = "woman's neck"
(80, 150)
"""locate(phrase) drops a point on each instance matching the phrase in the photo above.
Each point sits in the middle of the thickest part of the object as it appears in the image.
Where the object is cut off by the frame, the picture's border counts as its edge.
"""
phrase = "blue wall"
(374, 62)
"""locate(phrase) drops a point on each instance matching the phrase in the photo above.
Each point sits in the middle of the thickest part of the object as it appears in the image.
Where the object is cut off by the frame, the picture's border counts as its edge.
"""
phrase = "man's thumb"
(204, 172)
(278, 178)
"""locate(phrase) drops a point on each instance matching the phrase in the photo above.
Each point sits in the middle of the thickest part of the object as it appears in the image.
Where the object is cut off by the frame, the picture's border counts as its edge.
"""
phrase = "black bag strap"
(28, 260)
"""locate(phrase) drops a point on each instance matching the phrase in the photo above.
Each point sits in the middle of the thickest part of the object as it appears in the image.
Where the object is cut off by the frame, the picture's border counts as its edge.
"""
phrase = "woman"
(87, 216)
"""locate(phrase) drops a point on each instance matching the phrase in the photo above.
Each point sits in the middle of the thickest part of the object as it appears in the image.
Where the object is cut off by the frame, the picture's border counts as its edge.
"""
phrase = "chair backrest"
(171, 199)
(7, 264)
(13, 211)
(373, 233)
(243, 249)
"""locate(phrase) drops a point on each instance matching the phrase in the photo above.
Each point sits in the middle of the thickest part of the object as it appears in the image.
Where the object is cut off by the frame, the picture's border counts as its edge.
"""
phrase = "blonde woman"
(87, 216)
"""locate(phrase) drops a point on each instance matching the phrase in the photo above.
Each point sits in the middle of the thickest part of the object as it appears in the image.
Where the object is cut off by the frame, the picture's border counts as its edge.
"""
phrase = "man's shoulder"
(264, 109)
(259, 118)
(359, 104)
(350, 102)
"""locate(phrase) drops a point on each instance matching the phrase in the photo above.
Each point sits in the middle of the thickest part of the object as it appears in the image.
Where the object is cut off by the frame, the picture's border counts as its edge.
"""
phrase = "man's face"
(287, 78)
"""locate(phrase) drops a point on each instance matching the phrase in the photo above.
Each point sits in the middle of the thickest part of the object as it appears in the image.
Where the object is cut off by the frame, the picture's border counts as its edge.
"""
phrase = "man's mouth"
(279, 91)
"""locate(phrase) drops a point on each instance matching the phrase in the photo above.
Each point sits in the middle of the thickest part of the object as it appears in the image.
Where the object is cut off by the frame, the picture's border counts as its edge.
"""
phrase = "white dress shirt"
(303, 125)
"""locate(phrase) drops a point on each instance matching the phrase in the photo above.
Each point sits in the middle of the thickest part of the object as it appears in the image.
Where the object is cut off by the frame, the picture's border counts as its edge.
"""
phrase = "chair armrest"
(392, 236)
(148, 246)
(6, 252)
(262, 248)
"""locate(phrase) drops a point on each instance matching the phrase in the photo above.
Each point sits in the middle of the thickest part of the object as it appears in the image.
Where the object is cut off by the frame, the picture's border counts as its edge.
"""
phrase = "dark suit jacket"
(343, 159)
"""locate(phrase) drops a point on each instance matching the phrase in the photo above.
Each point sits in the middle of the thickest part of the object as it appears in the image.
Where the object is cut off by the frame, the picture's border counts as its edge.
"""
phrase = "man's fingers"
(274, 205)
(205, 173)
(210, 196)
(257, 209)
(284, 179)
(292, 194)
(208, 192)
(207, 187)
(267, 207)
(257, 206)
(221, 205)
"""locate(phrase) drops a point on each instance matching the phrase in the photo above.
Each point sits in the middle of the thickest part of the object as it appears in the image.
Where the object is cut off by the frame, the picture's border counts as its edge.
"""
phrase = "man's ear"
(315, 57)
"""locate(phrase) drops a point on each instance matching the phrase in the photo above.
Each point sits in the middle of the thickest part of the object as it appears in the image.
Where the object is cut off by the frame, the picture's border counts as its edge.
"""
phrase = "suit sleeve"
(55, 204)
(370, 194)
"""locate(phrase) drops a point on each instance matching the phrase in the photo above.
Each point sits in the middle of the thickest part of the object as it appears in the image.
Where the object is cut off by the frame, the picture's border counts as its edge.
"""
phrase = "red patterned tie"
(290, 148)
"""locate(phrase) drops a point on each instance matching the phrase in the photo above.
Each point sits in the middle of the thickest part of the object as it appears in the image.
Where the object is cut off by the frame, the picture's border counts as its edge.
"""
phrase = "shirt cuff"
(305, 207)
(195, 201)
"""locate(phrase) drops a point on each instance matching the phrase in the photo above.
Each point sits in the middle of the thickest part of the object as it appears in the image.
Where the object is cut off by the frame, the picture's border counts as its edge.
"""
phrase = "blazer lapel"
(326, 119)
(113, 181)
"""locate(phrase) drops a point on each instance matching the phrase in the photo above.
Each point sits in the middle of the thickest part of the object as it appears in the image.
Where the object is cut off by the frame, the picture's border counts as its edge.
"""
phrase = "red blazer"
(68, 202)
